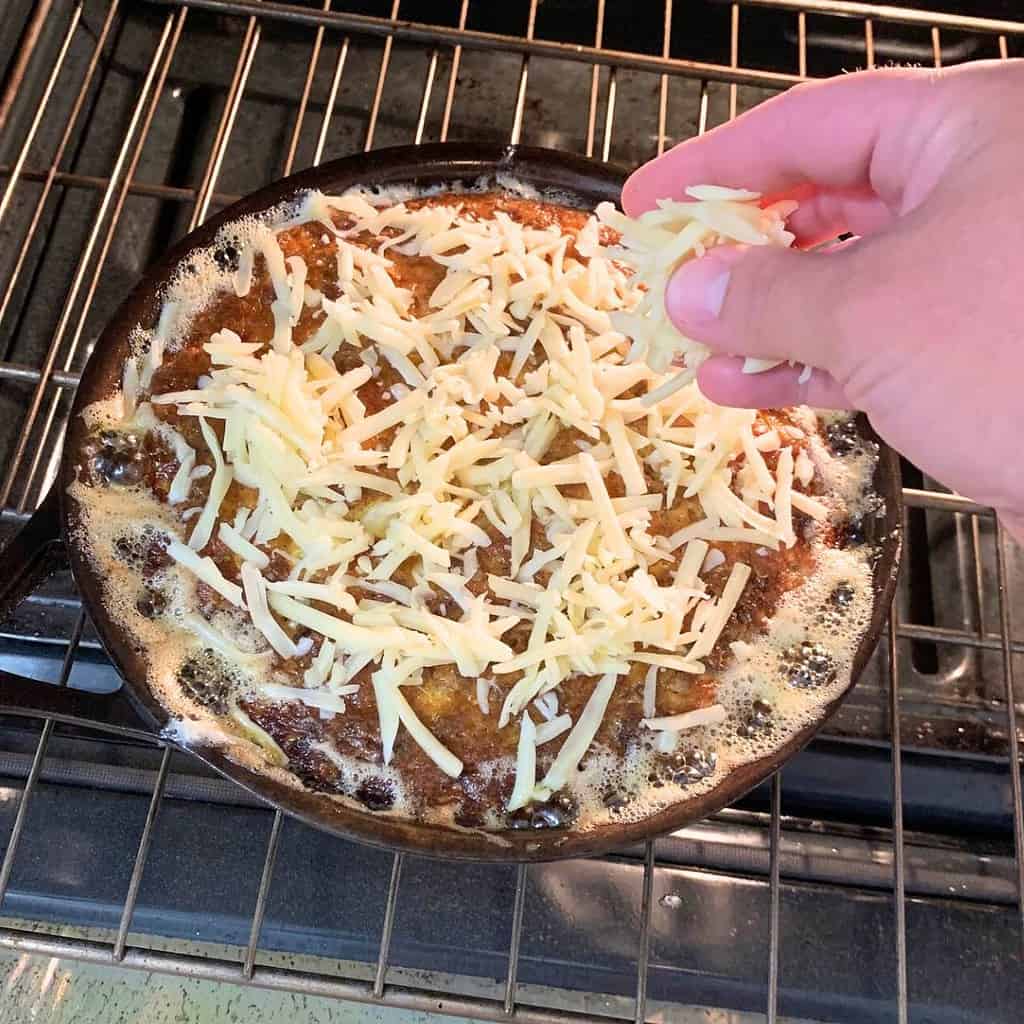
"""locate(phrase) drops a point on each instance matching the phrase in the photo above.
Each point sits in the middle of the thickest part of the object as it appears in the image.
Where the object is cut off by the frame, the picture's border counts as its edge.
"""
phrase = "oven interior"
(878, 877)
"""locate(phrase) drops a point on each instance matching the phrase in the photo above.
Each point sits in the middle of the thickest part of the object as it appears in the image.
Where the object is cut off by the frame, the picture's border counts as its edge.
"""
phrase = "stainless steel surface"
(122, 126)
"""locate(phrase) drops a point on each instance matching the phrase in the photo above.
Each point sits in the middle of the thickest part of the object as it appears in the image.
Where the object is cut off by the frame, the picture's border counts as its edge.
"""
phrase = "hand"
(919, 322)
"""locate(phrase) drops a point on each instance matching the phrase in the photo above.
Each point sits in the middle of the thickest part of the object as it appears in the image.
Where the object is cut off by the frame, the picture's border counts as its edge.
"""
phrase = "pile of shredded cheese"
(461, 444)
(659, 241)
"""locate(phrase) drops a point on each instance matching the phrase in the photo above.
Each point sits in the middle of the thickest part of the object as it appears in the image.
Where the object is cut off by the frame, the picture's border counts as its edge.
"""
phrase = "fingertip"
(721, 380)
(697, 291)
(636, 197)
(665, 177)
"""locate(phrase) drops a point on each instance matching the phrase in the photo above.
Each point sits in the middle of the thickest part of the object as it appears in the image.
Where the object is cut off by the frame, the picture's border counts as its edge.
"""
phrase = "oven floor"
(41, 989)
(46, 990)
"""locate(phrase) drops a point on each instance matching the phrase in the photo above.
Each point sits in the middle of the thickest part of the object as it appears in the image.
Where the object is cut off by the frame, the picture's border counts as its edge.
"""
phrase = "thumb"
(764, 302)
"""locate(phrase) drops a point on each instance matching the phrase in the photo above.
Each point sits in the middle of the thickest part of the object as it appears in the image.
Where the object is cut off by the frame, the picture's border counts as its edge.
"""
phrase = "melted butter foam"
(109, 516)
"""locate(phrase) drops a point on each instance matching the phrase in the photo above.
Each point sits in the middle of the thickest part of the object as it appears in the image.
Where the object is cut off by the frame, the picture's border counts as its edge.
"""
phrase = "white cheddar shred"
(205, 569)
(579, 739)
(526, 764)
(712, 715)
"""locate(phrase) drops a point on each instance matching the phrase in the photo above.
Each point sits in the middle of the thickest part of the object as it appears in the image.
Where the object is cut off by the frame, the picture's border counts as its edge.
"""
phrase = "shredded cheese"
(526, 764)
(657, 242)
(256, 601)
(687, 720)
(551, 730)
(386, 517)
(435, 750)
(650, 691)
(219, 485)
(206, 570)
(579, 739)
(234, 541)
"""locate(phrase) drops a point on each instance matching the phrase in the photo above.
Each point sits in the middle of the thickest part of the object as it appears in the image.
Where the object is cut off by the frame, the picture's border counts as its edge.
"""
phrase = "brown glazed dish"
(582, 183)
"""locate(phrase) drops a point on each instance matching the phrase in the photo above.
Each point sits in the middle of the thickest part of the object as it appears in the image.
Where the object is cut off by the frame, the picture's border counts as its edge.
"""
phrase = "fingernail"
(697, 291)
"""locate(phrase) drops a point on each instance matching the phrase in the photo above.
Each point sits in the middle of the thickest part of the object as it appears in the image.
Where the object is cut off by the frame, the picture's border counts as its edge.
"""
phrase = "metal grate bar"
(899, 869)
(595, 82)
(408, 31)
(940, 502)
(72, 296)
(385, 61)
(30, 40)
(609, 114)
(227, 122)
(515, 942)
(307, 86)
(734, 54)
(524, 74)
(956, 637)
(26, 796)
(37, 762)
(702, 109)
(177, 193)
(428, 88)
(979, 573)
(332, 99)
(19, 371)
(801, 42)
(1011, 718)
(16, 171)
(140, 857)
(426, 33)
(453, 74)
(644, 955)
(898, 15)
(380, 975)
(774, 891)
(249, 964)
(53, 450)
(43, 103)
(663, 89)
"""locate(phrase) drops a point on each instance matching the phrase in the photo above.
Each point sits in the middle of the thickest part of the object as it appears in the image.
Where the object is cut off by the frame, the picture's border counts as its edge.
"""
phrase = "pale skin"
(919, 321)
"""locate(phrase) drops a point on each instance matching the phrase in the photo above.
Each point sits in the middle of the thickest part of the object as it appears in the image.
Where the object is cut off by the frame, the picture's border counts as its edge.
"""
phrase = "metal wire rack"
(338, 93)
